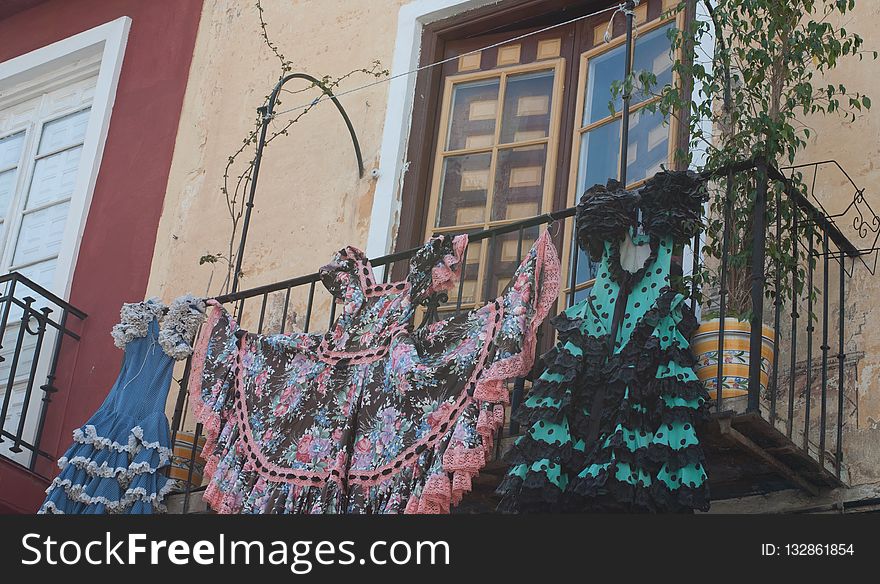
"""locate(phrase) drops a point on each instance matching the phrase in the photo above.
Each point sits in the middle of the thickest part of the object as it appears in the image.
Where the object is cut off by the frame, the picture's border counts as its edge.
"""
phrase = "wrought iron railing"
(34, 325)
(810, 391)
(300, 303)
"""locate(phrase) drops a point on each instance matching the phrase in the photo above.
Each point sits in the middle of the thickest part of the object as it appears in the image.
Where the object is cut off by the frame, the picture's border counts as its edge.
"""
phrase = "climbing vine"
(239, 168)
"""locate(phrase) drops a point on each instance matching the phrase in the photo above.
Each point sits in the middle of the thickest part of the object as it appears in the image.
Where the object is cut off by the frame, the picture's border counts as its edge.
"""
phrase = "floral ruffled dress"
(116, 462)
(373, 417)
(611, 419)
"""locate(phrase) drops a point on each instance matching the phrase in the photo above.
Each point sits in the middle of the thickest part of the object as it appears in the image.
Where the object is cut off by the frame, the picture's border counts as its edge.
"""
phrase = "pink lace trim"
(547, 274)
(463, 463)
(444, 276)
(331, 357)
(211, 420)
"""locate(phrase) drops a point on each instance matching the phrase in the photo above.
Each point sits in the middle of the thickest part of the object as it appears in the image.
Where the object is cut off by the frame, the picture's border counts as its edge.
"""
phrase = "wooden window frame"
(495, 19)
(551, 141)
(428, 93)
(674, 142)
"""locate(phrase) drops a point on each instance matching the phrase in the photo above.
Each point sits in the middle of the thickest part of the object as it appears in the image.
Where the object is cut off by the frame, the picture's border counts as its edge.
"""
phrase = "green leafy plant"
(749, 99)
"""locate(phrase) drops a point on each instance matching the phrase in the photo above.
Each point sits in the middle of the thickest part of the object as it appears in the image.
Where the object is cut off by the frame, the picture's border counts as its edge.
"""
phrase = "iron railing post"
(627, 93)
(757, 290)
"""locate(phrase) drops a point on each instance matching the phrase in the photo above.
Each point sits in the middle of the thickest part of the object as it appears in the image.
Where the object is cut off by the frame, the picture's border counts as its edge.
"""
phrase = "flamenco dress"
(611, 420)
(373, 416)
(116, 463)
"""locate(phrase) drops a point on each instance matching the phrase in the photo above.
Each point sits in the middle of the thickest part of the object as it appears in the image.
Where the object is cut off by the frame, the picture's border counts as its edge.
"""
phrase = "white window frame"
(41, 70)
(411, 19)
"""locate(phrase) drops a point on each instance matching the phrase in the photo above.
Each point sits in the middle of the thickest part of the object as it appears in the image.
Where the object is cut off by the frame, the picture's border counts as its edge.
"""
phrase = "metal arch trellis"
(267, 114)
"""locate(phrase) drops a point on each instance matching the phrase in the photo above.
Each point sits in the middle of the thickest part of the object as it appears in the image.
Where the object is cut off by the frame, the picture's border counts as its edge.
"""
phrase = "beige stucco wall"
(856, 146)
(310, 201)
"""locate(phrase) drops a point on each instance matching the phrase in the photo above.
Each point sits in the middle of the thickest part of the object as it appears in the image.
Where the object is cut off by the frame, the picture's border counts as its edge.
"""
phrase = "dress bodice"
(373, 313)
(153, 337)
(628, 287)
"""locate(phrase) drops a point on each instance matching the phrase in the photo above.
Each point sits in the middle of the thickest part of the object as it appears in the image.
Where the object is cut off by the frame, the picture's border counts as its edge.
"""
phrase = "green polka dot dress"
(611, 420)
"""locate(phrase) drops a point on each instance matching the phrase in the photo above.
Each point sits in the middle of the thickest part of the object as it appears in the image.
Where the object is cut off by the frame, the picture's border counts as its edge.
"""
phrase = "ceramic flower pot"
(183, 453)
(735, 355)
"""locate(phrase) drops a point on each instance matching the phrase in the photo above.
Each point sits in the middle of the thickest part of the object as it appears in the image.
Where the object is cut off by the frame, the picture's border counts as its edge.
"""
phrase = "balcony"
(786, 429)
(34, 327)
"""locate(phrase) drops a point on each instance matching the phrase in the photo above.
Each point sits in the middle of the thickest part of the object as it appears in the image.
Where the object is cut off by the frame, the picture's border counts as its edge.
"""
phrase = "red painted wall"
(120, 233)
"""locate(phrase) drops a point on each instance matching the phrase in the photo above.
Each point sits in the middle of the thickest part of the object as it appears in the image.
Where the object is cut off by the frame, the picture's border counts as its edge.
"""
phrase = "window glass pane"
(653, 54)
(7, 184)
(472, 119)
(599, 154)
(66, 131)
(648, 145)
(503, 259)
(603, 70)
(585, 269)
(527, 102)
(54, 177)
(10, 149)
(519, 182)
(463, 187)
(40, 234)
(42, 274)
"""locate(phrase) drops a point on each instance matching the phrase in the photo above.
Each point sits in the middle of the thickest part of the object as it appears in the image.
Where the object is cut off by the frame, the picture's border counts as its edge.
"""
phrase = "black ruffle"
(534, 494)
(672, 205)
(604, 214)
(598, 494)
(527, 450)
(681, 499)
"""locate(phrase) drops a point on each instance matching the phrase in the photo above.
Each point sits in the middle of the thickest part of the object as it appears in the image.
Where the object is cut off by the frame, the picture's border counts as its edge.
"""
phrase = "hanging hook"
(555, 223)
(624, 8)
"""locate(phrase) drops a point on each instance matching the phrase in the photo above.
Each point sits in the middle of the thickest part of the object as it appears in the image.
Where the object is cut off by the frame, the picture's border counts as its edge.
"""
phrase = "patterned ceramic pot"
(183, 452)
(736, 356)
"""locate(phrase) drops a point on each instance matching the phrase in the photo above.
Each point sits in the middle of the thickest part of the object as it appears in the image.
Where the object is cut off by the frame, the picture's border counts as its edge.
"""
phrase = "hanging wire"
(325, 97)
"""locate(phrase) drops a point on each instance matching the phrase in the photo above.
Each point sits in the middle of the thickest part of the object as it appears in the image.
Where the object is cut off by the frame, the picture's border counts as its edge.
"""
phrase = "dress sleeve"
(211, 383)
(346, 273)
(519, 310)
(672, 205)
(436, 266)
(480, 350)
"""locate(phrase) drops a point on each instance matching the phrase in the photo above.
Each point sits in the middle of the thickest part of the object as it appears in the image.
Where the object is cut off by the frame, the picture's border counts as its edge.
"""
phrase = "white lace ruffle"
(90, 436)
(92, 468)
(164, 453)
(180, 325)
(129, 497)
(177, 330)
(135, 443)
(134, 320)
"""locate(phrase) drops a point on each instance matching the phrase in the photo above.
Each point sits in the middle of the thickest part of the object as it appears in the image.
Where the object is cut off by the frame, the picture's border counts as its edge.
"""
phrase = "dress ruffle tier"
(113, 467)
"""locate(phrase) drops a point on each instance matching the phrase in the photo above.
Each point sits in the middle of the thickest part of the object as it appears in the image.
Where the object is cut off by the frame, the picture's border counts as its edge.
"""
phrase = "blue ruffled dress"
(116, 463)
